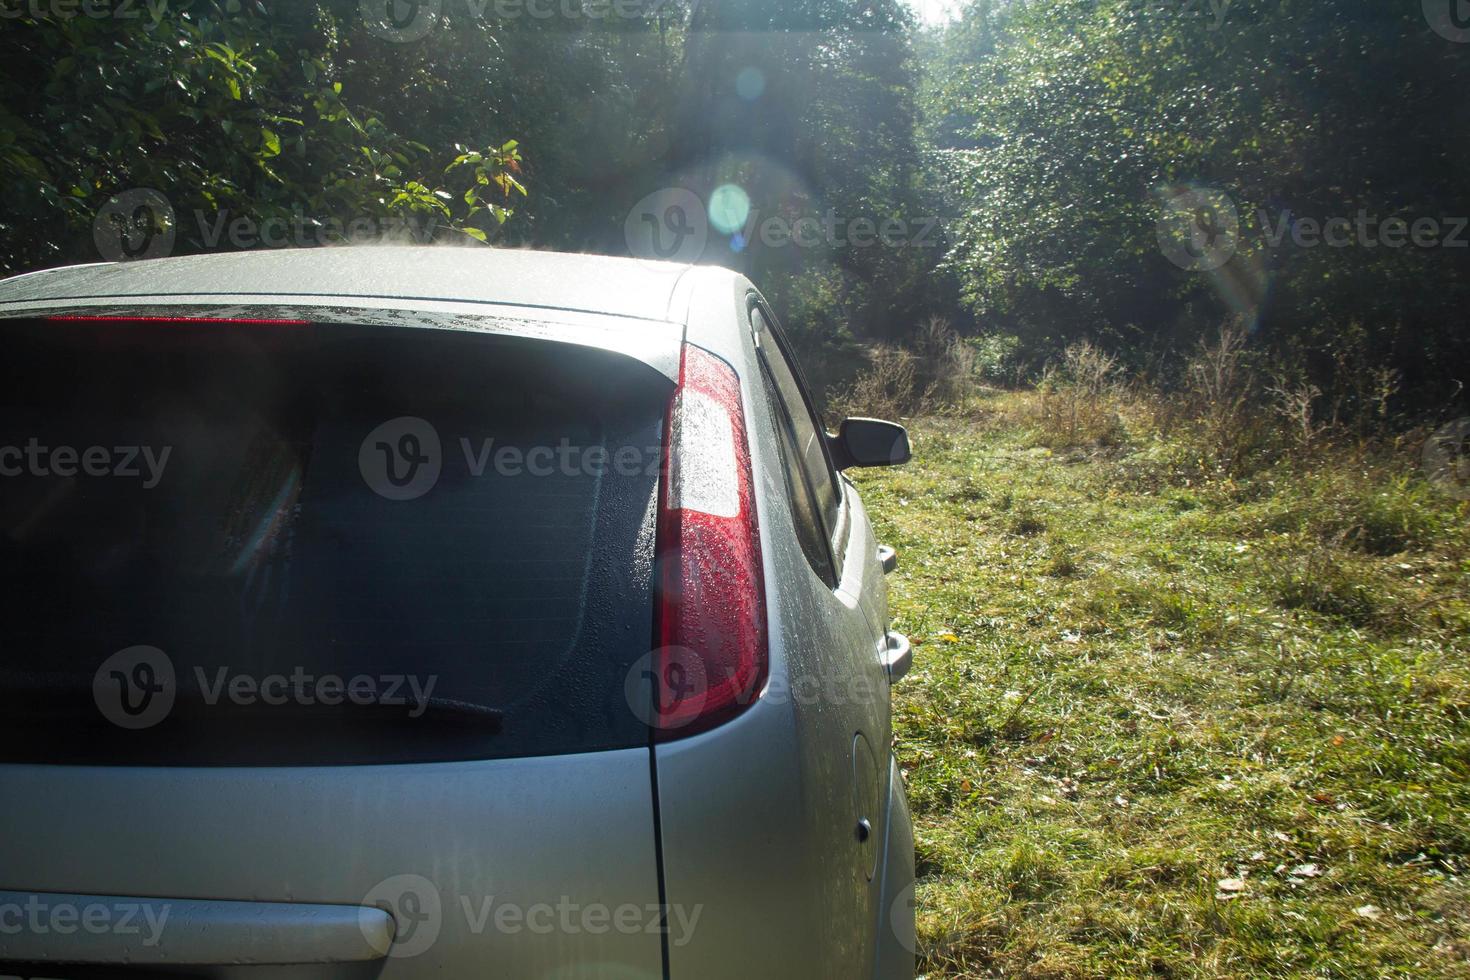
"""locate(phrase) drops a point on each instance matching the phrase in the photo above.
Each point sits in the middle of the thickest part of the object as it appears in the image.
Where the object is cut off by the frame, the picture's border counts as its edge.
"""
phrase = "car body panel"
(495, 277)
(654, 342)
(761, 817)
(897, 936)
(575, 830)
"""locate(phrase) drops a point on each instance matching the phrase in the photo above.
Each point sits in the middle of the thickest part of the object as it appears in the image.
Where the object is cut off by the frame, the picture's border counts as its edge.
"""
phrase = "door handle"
(898, 655)
(202, 933)
(888, 558)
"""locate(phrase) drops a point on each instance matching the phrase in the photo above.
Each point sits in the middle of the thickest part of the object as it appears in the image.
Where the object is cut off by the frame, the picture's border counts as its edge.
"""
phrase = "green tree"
(1086, 112)
(230, 110)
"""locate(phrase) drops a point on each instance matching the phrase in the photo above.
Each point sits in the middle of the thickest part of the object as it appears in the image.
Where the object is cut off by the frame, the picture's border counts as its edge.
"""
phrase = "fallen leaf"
(1368, 911)
(1306, 871)
(1229, 888)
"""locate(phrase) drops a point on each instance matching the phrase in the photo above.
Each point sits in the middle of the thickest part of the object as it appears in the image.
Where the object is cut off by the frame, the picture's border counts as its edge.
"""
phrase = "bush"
(1324, 584)
(1385, 519)
(937, 374)
(1080, 398)
(1027, 524)
(997, 358)
(1222, 394)
(889, 388)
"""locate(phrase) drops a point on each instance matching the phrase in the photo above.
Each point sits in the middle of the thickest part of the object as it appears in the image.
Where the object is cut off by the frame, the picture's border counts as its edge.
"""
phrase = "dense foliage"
(1071, 125)
(1019, 172)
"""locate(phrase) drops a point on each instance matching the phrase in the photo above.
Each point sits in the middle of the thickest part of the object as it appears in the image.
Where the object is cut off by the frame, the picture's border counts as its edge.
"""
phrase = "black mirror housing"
(870, 442)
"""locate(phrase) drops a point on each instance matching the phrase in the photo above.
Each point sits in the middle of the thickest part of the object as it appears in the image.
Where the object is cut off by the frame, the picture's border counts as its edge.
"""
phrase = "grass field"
(1164, 723)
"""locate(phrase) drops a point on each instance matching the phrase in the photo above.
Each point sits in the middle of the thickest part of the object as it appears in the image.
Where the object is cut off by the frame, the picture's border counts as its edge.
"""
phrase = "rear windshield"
(306, 544)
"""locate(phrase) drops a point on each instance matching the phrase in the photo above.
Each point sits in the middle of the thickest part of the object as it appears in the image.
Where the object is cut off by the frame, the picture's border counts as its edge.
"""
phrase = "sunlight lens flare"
(729, 208)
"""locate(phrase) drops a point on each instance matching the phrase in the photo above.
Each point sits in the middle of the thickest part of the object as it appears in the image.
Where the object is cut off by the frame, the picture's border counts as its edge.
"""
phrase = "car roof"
(362, 275)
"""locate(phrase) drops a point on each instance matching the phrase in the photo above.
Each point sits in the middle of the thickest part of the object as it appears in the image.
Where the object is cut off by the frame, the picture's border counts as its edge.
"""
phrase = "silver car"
(400, 612)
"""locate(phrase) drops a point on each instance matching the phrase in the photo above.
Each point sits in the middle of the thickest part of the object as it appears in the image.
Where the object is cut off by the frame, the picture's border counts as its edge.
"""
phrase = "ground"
(1167, 722)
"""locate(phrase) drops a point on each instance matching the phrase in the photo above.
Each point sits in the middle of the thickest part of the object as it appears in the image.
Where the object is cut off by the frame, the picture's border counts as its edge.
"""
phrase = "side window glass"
(809, 530)
(811, 441)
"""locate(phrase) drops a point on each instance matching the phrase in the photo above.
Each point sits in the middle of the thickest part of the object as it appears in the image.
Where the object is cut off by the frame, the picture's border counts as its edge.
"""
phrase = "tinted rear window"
(335, 543)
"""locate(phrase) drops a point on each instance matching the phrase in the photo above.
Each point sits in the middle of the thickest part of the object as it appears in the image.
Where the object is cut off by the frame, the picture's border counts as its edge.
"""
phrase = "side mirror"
(869, 442)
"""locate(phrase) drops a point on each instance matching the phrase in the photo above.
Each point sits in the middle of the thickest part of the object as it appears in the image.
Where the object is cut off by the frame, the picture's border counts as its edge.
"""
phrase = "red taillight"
(710, 630)
(223, 320)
